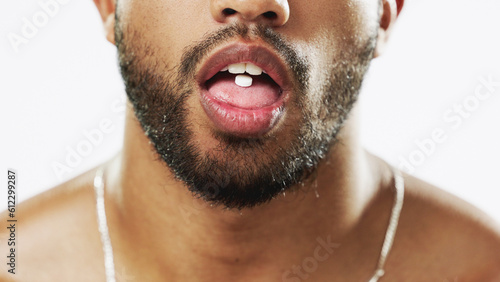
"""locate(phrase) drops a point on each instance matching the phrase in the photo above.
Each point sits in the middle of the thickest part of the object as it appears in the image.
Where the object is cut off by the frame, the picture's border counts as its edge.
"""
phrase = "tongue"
(263, 92)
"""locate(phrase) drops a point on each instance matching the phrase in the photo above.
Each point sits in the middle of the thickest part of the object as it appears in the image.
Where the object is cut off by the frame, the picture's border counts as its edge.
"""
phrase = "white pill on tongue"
(243, 80)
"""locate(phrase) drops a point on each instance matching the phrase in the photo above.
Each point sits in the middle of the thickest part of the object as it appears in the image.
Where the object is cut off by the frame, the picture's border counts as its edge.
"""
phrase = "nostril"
(228, 12)
(270, 15)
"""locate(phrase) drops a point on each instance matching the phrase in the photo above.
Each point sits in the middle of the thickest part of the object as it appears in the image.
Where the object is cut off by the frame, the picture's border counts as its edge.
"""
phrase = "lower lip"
(242, 122)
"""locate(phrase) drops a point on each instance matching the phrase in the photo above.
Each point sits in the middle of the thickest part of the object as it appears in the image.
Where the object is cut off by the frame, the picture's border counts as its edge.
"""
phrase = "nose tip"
(272, 12)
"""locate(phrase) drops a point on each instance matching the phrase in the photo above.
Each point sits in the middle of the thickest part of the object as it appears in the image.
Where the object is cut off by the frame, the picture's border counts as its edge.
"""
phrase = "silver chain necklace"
(109, 264)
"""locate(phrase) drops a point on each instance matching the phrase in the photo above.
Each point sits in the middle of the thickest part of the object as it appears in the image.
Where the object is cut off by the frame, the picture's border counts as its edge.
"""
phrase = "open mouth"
(243, 90)
(245, 86)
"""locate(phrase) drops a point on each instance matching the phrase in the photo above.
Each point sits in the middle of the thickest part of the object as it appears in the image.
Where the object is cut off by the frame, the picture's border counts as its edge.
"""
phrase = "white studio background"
(61, 92)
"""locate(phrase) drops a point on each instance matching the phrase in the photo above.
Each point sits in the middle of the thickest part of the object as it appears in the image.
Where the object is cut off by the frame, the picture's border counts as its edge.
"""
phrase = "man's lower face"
(224, 158)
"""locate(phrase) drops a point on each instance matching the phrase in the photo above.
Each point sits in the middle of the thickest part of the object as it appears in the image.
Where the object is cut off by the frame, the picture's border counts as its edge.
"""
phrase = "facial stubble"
(238, 172)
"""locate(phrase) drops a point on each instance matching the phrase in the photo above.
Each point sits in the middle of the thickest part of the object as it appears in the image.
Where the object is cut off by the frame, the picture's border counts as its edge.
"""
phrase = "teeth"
(243, 80)
(237, 68)
(253, 69)
(241, 68)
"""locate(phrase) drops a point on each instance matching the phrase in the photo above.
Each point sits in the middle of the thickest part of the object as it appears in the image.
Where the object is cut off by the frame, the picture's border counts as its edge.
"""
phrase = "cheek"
(167, 26)
(331, 32)
(344, 22)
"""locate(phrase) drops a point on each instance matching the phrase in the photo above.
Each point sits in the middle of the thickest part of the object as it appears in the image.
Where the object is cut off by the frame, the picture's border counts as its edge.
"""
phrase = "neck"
(152, 212)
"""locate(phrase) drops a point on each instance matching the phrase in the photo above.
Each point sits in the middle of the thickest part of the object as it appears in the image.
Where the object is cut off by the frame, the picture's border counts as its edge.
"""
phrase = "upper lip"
(258, 55)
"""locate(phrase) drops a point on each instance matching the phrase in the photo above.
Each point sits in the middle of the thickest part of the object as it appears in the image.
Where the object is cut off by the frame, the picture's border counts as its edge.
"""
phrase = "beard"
(239, 172)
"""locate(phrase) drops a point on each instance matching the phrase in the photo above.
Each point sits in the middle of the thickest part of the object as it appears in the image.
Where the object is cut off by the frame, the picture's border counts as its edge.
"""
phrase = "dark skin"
(160, 232)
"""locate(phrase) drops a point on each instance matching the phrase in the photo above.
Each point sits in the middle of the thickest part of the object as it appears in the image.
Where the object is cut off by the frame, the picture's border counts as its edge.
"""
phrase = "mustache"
(194, 54)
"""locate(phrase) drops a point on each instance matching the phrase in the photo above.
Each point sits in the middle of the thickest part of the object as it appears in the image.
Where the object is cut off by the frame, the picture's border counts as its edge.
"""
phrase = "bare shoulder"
(54, 230)
(445, 235)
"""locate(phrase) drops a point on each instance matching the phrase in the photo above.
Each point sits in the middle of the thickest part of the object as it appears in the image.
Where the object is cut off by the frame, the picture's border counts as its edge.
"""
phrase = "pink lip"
(238, 121)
